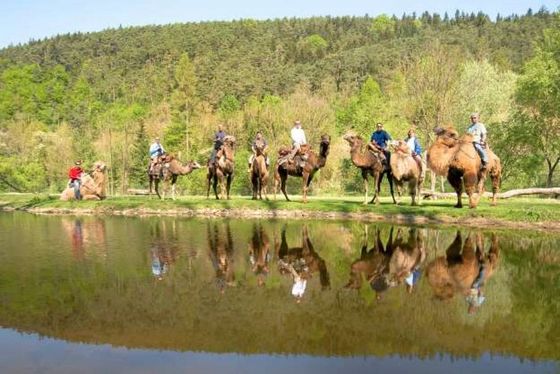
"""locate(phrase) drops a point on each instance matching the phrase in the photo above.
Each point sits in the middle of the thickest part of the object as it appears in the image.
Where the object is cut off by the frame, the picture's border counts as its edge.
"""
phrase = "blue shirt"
(380, 137)
(156, 149)
(219, 139)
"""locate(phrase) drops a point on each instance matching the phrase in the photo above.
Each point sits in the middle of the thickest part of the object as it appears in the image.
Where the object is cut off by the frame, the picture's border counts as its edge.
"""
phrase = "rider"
(298, 139)
(478, 132)
(414, 145)
(219, 137)
(258, 138)
(156, 150)
(75, 174)
(379, 139)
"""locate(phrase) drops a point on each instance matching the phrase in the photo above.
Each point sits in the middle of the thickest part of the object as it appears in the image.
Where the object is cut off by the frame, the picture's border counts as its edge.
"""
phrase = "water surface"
(120, 294)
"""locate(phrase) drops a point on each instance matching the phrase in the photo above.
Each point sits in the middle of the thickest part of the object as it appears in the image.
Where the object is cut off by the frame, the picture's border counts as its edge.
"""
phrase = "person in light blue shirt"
(478, 132)
(156, 149)
(414, 145)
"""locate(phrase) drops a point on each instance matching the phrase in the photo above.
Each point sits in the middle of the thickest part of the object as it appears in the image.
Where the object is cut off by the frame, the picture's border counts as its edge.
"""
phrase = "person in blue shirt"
(379, 139)
(414, 145)
(219, 137)
(478, 132)
(156, 150)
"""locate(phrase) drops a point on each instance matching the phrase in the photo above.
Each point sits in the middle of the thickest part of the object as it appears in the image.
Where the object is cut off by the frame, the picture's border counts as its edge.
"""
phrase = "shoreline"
(399, 218)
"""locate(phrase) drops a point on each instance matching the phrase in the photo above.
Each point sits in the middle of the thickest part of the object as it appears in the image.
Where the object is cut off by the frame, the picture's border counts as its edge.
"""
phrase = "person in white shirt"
(478, 132)
(298, 138)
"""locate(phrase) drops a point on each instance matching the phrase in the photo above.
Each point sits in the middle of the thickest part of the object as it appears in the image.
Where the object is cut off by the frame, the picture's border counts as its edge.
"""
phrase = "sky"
(23, 20)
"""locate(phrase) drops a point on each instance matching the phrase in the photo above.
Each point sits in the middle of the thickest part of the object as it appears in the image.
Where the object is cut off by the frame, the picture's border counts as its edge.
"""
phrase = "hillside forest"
(106, 95)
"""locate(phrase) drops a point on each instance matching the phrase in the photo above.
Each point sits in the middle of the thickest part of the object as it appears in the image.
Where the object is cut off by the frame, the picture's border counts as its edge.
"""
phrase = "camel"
(369, 162)
(259, 171)
(386, 267)
(92, 187)
(259, 253)
(221, 255)
(405, 169)
(313, 163)
(221, 171)
(171, 169)
(455, 157)
(456, 272)
(301, 263)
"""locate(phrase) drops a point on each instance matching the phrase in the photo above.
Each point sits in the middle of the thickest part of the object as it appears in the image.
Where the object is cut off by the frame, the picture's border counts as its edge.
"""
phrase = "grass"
(528, 210)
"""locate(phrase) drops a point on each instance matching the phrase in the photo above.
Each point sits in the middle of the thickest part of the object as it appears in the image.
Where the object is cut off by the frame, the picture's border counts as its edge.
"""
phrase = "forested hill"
(102, 95)
(248, 57)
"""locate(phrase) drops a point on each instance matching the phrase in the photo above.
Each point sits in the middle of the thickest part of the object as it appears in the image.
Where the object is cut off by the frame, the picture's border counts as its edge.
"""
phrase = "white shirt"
(410, 143)
(298, 136)
(478, 131)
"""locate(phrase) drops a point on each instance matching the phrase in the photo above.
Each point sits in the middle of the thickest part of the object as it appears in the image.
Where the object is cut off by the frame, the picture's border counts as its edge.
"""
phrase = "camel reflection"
(383, 267)
(164, 249)
(464, 270)
(301, 263)
(259, 253)
(84, 235)
(221, 254)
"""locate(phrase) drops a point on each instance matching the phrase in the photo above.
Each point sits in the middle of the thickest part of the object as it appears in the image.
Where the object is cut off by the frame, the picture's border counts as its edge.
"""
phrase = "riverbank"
(526, 213)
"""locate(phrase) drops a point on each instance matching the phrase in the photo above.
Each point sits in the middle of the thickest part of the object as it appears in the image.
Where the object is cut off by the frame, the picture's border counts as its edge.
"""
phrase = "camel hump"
(284, 151)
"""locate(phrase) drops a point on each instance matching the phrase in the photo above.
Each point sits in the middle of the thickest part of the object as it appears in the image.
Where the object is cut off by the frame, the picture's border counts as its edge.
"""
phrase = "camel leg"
(455, 181)
(173, 185)
(304, 192)
(228, 185)
(151, 182)
(399, 185)
(156, 185)
(365, 178)
(472, 188)
(495, 187)
(283, 186)
(390, 178)
(377, 178)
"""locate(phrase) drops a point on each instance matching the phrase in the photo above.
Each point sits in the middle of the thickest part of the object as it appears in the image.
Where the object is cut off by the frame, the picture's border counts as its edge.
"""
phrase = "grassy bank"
(523, 212)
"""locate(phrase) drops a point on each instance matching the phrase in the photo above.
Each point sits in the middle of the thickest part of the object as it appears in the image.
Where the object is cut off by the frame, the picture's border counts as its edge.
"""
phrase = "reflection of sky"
(31, 353)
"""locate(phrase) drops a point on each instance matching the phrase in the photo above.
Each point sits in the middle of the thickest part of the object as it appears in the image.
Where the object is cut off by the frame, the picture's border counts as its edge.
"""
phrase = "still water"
(115, 294)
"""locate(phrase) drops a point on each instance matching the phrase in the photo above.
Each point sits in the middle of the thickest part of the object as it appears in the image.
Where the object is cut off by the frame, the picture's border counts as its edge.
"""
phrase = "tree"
(538, 94)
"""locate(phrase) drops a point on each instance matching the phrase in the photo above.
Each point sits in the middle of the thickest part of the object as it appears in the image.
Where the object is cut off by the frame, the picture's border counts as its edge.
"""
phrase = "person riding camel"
(478, 132)
(379, 139)
(75, 174)
(298, 139)
(414, 145)
(219, 137)
(258, 138)
(156, 151)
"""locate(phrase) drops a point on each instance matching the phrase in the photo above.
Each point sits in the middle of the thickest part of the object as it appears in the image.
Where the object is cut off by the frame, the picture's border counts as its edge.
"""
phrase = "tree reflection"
(464, 269)
(301, 263)
(84, 235)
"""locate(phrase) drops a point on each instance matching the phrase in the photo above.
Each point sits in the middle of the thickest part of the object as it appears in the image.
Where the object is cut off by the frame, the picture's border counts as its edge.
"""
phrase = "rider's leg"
(482, 153)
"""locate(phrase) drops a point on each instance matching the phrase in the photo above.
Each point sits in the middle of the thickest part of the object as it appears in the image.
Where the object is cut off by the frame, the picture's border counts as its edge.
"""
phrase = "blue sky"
(22, 20)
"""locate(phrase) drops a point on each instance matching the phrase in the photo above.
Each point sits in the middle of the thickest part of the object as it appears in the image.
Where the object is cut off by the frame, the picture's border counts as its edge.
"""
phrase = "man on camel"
(298, 139)
(156, 151)
(259, 138)
(414, 145)
(478, 132)
(379, 139)
(75, 175)
(219, 137)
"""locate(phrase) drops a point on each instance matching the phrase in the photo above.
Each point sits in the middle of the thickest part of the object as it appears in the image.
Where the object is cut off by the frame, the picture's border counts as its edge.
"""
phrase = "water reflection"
(220, 244)
(385, 266)
(300, 263)
(85, 235)
(260, 254)
(164, 248)
(464, 270)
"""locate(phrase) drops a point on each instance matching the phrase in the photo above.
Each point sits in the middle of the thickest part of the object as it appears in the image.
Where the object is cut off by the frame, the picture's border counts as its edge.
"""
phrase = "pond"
(117, 294)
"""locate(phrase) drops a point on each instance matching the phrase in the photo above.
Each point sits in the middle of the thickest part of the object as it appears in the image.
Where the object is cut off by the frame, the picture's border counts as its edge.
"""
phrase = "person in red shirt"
(74, 174)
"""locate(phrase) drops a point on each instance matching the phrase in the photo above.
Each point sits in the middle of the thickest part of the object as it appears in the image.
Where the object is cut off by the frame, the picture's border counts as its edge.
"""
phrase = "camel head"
(446, 135)
(99, 166)
(352, 138)
(194, 165)
(229, 140)
(324, 146)
(398, 146)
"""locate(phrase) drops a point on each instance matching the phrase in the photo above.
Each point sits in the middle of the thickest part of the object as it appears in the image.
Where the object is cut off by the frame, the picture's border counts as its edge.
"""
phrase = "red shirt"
(75, 172)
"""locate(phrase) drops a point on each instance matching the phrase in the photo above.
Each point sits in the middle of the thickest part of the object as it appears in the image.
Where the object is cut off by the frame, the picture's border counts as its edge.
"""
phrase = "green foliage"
(383, 26)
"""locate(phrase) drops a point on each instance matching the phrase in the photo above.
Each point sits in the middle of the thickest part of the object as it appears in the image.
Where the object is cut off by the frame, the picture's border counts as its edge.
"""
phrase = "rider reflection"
(259, 254)
(221, 255)
(163, 250)
(301, 263)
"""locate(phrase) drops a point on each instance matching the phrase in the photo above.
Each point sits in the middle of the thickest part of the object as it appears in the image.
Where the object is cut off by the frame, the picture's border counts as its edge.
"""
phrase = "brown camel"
(302, 262)
(455, 157)
(313, 163)
(386, 267)
(92, 187)
(221, 171)
(171, 169)
(370, 163)
(462, 265)
(221, 254)
(259, 253)
(259, 171)
(405, 169)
